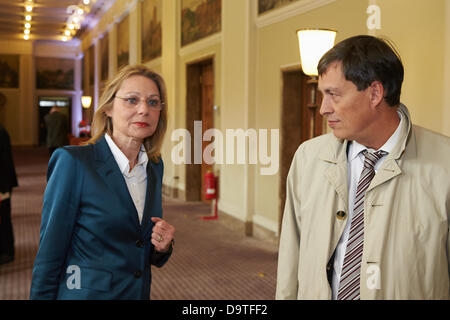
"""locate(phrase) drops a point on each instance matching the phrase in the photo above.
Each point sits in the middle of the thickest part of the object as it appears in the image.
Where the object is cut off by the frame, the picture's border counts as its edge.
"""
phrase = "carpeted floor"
(210, 261)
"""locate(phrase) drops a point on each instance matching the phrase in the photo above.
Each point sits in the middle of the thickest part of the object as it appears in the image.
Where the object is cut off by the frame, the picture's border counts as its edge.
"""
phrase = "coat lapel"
(336, 174)
(391, 168)
(108, 169)
(150, 209)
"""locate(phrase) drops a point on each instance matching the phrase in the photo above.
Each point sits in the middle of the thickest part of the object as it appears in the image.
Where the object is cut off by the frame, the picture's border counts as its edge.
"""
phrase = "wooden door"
(300, 121)
(199, 107)
(207, 103)
(311, 120)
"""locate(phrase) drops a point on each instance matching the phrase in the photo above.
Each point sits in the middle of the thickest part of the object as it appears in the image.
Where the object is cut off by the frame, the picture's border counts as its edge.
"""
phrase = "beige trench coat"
(406, 219)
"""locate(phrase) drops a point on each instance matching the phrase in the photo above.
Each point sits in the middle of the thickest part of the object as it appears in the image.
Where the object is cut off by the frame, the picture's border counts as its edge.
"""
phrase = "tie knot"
(371, 158)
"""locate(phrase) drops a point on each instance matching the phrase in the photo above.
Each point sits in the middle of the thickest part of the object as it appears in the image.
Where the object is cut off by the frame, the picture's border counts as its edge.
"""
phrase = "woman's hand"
(162, 234)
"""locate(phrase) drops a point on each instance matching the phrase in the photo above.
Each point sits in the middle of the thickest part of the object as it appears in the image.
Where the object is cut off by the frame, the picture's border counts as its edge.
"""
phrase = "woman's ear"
(376, 93)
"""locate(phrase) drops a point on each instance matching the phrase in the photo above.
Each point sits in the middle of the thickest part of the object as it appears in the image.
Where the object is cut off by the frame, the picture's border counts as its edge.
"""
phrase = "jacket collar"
(109, 170)
(336, 153)
(102, 153)
(405, 135)
(337, 150)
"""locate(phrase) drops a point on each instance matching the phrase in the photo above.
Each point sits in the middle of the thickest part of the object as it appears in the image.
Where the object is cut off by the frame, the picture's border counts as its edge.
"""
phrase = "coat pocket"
(95, 279)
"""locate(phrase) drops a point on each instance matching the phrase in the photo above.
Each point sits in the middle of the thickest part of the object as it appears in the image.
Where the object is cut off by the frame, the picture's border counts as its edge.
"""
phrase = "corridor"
(210, 260)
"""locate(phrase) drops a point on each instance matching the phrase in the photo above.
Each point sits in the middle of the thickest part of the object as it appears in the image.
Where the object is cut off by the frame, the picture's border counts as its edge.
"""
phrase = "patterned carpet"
(210, 261)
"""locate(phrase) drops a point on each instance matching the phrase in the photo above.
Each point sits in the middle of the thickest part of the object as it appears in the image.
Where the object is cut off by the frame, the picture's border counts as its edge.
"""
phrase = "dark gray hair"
(366, 59)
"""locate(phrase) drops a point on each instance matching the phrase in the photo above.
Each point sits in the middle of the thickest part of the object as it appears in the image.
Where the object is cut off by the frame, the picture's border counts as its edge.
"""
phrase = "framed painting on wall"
(55, 73)
(151, 29)
(199, 19)
(9, 71)
(123, 42)
(104, 56)
(267, 5)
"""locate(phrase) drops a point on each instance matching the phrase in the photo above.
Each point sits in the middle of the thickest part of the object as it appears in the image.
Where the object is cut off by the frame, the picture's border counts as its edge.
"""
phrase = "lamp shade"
(313, 44)
(86, 101)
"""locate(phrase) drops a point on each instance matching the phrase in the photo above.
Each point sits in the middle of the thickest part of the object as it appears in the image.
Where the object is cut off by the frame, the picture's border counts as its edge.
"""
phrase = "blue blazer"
(92, 245)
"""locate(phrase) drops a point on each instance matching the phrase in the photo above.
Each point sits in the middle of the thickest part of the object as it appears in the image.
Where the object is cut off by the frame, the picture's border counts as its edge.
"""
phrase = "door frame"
(295, 123)
(194, 177)
(42, 131)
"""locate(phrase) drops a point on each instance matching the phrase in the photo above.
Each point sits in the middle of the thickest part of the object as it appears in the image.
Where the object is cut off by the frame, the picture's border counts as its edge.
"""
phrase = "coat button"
(139, 244)
(341, 215)
(137, 274)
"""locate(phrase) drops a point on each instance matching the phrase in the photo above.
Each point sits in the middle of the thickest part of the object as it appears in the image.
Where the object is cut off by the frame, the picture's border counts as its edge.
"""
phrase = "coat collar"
(109, 170)
(336, 153)
(337, 148)
(391, 167)
(406, 135)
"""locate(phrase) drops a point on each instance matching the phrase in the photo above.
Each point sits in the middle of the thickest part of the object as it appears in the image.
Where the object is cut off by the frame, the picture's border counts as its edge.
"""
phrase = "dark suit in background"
(57, 129)
(8, 180)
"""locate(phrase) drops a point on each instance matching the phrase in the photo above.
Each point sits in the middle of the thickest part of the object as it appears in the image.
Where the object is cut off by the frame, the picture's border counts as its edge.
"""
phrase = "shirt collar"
(356, 148)
(121, 159)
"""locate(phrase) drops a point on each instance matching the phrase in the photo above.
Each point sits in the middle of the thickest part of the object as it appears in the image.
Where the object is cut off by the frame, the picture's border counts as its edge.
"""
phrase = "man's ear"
(376, 93)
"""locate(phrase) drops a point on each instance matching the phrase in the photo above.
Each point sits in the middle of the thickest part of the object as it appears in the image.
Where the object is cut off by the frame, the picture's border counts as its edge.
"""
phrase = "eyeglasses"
(153, 102)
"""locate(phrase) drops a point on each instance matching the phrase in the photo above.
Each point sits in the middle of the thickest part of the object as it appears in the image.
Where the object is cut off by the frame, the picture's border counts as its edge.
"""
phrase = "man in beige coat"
(406, 207)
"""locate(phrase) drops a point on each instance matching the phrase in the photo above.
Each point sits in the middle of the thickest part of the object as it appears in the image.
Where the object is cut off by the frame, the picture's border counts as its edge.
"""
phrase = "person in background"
(368, 206)
(8, 180)
(102, 225)
(57, 129)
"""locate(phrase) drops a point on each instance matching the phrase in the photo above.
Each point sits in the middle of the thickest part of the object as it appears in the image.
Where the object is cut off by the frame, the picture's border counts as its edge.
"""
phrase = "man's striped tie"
(349, 285)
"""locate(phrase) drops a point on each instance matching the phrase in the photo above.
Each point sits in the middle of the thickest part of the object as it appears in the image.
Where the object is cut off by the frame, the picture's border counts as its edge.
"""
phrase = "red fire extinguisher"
(211, 193)
(210, 186)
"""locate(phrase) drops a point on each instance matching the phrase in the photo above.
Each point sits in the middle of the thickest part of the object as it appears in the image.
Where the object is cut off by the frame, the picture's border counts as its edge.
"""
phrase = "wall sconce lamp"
(313, 44)
(86, 101)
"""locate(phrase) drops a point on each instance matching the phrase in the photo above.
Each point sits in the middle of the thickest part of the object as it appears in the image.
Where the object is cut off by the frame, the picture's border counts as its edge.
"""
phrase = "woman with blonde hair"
(102, 226)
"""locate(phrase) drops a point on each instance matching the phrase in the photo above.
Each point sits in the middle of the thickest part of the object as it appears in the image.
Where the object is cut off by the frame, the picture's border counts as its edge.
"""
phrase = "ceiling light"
(26, 37)
(26, 31)
(67, 33)
(77, 14)
(27, 25)
(64, 38)
(29, 8)
(28, 17)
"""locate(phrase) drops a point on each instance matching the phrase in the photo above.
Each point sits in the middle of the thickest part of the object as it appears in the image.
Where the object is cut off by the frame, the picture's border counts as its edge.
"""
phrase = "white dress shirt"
(135, 179)
(355, 162)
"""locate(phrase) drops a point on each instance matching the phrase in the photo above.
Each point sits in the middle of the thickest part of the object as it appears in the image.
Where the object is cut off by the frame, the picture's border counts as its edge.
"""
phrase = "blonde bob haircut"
(102, 123)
